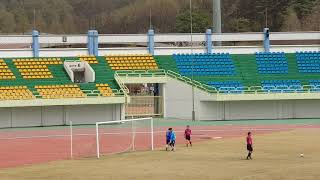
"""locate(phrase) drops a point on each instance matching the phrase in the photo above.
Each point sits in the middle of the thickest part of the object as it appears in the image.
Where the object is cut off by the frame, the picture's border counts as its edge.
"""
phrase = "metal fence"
(143, 106)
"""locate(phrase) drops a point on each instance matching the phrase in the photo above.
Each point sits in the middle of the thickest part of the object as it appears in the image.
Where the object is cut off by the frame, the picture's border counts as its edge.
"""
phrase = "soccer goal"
(124, 135)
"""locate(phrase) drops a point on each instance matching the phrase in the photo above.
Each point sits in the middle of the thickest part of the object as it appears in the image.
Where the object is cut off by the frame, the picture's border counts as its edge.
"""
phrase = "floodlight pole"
(34, 19)
(216, 17)
(192, 62)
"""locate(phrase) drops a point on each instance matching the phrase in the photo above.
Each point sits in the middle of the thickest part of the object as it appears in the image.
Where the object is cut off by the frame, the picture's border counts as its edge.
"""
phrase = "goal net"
(124, 135)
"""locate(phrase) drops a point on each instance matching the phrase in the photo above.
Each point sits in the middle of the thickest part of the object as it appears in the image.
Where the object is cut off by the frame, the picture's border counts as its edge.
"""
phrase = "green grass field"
(276, 157)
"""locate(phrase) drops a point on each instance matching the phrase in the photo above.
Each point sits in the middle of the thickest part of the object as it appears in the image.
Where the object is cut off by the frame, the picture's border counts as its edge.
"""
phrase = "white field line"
(146, 132)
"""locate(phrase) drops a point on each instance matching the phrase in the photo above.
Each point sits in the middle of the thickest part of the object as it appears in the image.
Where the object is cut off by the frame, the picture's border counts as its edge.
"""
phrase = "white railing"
(166, 41)
(168, 37)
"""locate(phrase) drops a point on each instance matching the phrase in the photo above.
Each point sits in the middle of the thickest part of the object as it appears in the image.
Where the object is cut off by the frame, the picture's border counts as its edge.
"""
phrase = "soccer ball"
(301, 155)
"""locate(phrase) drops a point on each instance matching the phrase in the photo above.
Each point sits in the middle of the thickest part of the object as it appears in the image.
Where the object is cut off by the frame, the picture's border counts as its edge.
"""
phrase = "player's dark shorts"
(167, 141)
(249, 147)
(188, 137)
(172, 143)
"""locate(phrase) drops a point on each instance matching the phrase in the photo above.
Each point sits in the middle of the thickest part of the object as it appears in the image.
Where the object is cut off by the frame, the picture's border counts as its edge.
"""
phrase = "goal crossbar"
(119, 122)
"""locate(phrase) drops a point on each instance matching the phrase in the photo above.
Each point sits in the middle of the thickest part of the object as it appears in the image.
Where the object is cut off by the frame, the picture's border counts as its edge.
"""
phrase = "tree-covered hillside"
(132, 16)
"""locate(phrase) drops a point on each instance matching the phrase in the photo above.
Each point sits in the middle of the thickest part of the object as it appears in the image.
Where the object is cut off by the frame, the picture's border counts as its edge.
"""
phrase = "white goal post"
(119, 122)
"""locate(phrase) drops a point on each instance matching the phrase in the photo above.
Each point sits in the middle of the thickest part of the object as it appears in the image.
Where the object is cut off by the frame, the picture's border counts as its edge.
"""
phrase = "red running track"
(39, 146)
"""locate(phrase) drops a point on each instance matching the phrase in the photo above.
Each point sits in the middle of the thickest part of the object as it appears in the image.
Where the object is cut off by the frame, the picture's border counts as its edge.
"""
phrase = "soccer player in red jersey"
(249, 145)
(187, 136)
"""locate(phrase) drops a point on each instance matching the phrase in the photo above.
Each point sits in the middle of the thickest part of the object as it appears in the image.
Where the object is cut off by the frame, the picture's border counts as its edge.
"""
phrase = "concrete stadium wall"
(178, 104)
(282, 109)
(178, 99)
(58, 115)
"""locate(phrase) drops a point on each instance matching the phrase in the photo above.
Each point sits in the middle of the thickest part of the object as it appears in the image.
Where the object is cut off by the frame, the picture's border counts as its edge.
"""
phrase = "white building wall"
(178, 104)
(52, 115)
(89, 114)
(26, 116)
(307, 109)
(5, 117)
(212, 110)
(178, 99)
(251, 110)
(58, 115)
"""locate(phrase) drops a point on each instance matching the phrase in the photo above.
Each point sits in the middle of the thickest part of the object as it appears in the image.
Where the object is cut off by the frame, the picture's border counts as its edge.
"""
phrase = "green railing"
(207, 88)
(141, 73)
(192, 82)
(164, 73)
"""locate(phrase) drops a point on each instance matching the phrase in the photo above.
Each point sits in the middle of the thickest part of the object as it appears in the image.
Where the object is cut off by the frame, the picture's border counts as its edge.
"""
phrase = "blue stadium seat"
(278, 86)
(229, 87)
(272, 63)
(314, 85)
(219, 64)
(308, 62)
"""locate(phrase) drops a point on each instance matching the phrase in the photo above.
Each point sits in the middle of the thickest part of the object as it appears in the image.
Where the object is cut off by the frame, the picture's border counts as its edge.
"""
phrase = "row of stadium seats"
(56, 86)
(233, 87)
(207, 62)
(105, 90)
(315, 85)
(131, 62)
(89, 59)
(120, 57)
(50, 92)
(15, 93)
(308, 53)
(276, 86)
(36, 68)
(314, 81)
(205, 55)
(5, 72)
(33, 70)
(271, 86)
(21, 63)
(272, 63)
(36, 59)
(5, 69)
(60, 91)
(204, 64)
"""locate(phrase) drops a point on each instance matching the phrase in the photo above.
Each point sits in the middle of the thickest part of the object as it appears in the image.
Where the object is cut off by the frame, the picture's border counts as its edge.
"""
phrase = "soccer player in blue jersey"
(168, 136)
(172, 139)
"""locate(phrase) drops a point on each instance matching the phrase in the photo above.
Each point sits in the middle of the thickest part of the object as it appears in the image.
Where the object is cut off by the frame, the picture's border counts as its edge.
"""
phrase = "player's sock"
(190, 143)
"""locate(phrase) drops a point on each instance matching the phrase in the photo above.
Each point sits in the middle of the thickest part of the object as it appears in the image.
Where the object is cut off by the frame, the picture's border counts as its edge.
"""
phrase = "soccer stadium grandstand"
(204, 84)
